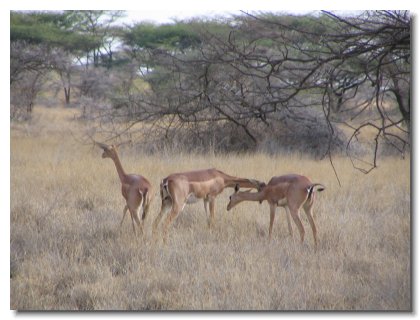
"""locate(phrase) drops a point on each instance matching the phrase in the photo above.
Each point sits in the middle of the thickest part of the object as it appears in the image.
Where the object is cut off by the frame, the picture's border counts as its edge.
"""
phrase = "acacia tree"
(41, 42)
(371, 53)
(357, 68)
(28, 65)
(65, 39)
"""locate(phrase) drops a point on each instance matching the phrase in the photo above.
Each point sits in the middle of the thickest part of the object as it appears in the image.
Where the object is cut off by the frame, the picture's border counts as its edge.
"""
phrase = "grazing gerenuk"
(136, 189)
(290, 191)
(178, 189)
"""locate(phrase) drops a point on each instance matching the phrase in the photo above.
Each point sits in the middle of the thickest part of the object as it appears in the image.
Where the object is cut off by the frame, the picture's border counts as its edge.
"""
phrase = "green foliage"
(50, 29)
(314, 24)
(35, 28)
(168, 36)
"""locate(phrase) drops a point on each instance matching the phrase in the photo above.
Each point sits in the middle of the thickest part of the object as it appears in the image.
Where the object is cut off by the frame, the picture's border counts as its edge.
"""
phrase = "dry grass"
(68, 253)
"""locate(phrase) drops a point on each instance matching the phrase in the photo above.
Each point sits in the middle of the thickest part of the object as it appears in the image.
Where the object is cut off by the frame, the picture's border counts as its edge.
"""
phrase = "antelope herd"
(290, 191)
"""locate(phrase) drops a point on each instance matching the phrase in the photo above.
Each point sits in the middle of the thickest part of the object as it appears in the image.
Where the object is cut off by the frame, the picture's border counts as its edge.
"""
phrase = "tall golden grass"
(68, 252)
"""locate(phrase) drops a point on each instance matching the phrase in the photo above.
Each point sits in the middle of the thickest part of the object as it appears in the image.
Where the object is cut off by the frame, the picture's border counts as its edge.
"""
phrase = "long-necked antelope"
(136, 189)
(178, 189)
(290, 191)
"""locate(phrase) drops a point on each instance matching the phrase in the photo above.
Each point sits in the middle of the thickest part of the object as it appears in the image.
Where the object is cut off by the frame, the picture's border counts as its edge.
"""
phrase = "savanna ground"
(67, 251)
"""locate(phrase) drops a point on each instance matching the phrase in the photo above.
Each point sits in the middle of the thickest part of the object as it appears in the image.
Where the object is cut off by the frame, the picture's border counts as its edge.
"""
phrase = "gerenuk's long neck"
(231, 181)
(120, 170)
(251, 196)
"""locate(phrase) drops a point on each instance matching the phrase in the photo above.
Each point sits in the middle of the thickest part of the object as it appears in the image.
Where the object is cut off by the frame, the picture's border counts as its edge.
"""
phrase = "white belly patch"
(165, 193)
(192, 198)
(282, 202)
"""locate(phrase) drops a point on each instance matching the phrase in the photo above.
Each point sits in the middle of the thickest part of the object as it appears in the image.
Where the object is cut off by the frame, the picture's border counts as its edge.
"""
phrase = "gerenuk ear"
(261, 186)
(236, 188)
(258, 184)
(101, 145)
(122, 143)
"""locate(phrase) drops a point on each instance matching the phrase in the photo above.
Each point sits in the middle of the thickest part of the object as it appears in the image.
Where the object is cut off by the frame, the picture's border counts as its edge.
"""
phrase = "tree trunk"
(67, 95)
